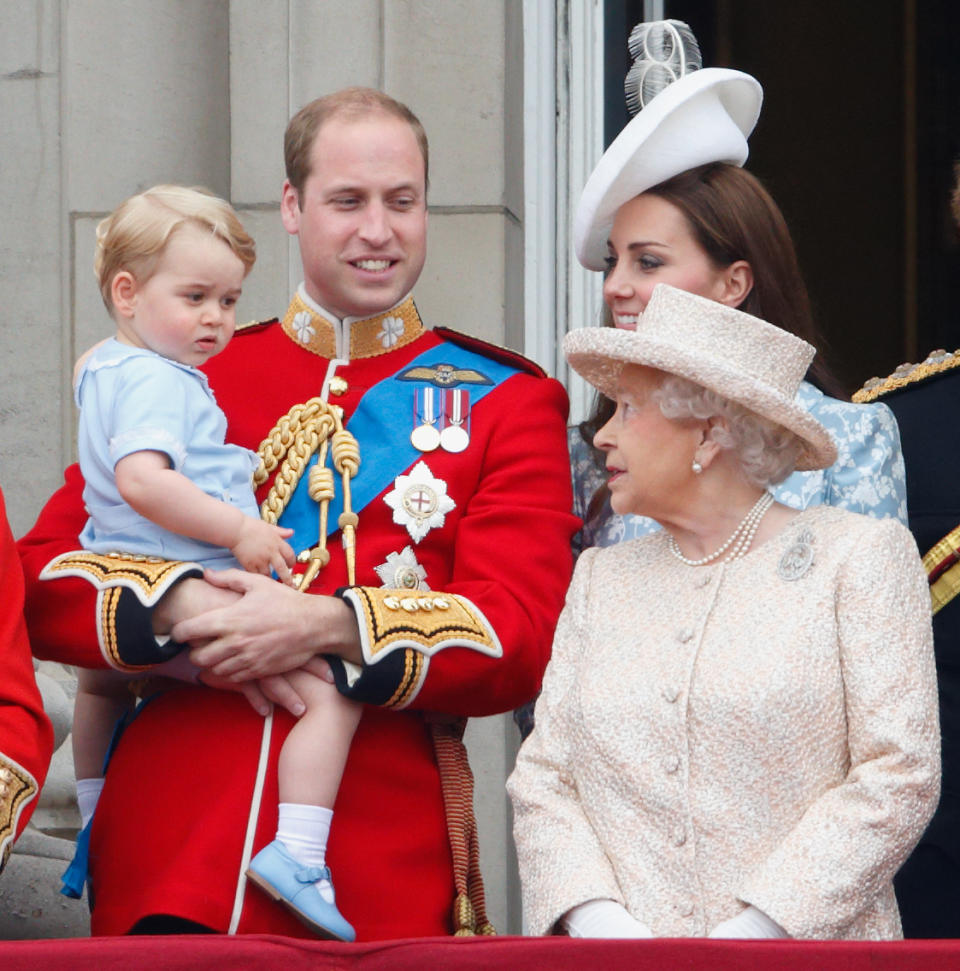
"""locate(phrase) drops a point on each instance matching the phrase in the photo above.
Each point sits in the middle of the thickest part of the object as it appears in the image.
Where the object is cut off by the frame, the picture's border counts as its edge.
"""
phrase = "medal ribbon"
(425, 411)
(381, 424)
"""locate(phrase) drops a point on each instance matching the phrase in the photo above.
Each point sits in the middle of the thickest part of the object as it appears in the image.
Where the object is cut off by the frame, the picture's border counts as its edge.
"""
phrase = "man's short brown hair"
(305, 125)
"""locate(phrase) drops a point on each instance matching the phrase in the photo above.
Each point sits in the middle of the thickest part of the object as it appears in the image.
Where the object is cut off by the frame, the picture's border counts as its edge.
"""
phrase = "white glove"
(749, 924)
(602, 918)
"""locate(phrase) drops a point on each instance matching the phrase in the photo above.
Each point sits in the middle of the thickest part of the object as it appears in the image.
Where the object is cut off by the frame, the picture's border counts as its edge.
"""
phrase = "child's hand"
(262, 547)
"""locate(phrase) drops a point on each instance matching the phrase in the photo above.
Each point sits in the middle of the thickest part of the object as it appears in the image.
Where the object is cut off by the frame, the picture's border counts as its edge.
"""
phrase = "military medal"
(401, 571)
(419, 501)
(456, 412)
(425, 437)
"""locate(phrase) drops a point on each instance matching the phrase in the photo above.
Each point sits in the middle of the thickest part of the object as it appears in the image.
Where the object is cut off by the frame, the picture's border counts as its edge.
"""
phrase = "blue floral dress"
(868, 476)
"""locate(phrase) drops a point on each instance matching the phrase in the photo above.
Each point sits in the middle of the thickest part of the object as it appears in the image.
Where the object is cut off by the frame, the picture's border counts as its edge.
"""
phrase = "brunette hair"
(733, 217)
(305, 125)
(135, 234)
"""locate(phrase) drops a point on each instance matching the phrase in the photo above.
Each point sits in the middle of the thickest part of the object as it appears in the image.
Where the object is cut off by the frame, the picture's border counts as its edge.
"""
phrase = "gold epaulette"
(936, 363)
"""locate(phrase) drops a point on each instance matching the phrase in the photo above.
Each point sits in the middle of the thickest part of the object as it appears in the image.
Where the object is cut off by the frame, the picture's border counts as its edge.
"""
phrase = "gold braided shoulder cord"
(311, 427)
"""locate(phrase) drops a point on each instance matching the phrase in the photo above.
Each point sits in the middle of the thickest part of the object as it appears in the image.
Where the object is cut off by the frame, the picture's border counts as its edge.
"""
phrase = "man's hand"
(270, 630)
(276, 689)
(189, 598)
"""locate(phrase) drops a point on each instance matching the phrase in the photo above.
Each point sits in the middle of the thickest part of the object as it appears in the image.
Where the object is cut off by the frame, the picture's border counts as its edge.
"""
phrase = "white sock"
(88, 793)
(303, 830)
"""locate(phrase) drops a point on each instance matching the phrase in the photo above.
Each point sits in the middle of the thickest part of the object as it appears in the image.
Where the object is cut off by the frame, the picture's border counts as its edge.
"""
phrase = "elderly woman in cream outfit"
(738, 734)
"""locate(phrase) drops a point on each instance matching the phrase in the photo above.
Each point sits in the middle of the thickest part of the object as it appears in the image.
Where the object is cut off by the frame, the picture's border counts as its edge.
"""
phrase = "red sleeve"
(511, 563)
(26, 738)
(61, 614)
(89, 609)
(512, 558)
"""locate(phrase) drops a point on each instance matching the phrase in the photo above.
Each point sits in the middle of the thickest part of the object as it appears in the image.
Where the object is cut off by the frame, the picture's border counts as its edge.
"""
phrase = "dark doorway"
(856, 142)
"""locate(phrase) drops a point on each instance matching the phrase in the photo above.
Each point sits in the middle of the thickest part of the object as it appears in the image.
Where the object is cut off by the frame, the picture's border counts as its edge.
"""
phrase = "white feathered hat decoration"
(686, 116)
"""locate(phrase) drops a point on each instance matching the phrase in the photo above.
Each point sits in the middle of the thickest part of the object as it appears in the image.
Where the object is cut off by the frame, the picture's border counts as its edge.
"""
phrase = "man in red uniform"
(26, 738)
(437, 558)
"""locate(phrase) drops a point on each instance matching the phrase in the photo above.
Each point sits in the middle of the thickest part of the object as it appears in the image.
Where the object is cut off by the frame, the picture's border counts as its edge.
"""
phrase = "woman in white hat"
(669, 203)
(738, 732)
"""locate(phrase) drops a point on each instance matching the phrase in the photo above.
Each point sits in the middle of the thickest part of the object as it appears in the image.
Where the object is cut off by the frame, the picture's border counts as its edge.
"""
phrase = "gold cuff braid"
(17, 788)
(147, 576)
(425, 623)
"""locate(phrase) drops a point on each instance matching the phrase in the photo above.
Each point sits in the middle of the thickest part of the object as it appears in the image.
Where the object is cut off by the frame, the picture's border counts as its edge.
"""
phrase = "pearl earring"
(697, 467)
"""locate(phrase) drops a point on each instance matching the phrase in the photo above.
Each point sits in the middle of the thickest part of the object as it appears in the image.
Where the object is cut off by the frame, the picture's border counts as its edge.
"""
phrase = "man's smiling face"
(362, 217)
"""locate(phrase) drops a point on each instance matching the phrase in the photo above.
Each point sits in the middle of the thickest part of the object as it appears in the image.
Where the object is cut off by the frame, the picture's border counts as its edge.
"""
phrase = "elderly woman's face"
(648, 456)
(650, 243)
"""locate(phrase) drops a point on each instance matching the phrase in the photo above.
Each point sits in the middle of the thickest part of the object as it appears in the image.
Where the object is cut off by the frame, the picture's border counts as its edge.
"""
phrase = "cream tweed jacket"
(758, 732)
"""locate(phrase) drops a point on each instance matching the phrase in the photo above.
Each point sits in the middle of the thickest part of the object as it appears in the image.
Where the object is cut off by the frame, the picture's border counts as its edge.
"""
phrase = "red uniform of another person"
(26, 738)
(188, 797)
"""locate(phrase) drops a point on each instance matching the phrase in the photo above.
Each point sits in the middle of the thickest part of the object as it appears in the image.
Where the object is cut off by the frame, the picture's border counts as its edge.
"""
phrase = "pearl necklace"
(740, 539)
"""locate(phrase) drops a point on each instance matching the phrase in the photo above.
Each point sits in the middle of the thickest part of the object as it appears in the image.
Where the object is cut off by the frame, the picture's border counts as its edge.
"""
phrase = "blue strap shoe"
(291, 883)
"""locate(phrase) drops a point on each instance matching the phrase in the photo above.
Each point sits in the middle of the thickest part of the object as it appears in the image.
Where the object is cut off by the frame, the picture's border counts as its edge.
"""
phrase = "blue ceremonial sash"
(382, 424)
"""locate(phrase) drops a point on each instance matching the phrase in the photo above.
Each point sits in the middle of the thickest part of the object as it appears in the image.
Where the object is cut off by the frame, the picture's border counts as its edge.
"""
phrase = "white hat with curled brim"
(702, 117)
(740, 357)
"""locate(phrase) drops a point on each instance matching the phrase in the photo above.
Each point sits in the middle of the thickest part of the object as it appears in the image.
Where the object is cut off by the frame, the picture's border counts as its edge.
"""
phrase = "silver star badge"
(402, 571)
(419, 501)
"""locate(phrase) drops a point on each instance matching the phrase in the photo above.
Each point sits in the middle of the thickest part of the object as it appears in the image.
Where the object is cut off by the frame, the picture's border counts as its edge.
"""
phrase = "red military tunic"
(171, 833)
(26, 738)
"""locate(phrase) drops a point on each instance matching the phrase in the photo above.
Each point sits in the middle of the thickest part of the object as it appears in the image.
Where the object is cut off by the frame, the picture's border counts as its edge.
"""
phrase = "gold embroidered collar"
(353, 337)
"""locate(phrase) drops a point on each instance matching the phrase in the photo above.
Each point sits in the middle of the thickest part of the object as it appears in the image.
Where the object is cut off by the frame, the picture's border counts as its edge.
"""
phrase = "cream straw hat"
(740, 357)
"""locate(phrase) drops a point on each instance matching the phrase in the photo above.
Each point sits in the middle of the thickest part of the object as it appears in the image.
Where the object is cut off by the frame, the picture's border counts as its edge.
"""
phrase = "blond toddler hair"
(134, 235)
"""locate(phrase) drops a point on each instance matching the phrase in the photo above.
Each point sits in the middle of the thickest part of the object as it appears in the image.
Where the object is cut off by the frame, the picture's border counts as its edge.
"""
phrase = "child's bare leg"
(102, 698)
(311, 765)
(315, 752)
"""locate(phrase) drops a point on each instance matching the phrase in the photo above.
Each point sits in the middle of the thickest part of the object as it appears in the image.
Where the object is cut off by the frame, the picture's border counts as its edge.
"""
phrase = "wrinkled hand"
(270, 630)
(261, 547)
